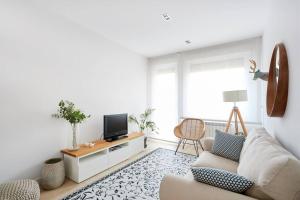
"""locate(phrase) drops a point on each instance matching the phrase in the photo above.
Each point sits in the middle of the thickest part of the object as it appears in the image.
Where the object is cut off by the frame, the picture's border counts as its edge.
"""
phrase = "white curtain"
(164, 99)
(190, 84)
(204, 83)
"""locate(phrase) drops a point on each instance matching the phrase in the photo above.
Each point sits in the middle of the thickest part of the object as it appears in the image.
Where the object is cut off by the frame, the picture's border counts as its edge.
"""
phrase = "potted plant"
(144, 123)
(73, 115)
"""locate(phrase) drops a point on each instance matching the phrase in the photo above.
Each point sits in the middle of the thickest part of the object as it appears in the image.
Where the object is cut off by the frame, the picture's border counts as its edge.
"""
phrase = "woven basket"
(53, 174)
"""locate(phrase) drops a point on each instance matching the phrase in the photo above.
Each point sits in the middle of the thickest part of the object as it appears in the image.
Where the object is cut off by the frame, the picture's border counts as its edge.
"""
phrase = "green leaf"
(144, 121)
(68, 112)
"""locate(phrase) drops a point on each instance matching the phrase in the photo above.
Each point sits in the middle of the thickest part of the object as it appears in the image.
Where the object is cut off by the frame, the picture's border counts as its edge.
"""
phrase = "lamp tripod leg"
(242, 122)
(236, 121)
(229, 121)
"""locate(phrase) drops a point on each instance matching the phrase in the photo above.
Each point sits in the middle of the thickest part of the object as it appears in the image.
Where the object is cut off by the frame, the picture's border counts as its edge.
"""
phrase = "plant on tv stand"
(74, 116)
(144, 122)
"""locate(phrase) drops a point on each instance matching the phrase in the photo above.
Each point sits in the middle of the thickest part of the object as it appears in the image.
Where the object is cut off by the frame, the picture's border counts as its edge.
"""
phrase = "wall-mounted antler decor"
(278, 81)
(257, 73)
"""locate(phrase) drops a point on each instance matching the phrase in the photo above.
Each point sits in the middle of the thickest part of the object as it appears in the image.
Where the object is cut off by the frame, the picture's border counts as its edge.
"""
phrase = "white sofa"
(275, 172)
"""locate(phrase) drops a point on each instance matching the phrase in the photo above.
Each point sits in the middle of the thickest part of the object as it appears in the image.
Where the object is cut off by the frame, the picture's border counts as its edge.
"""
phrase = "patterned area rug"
(138, 180)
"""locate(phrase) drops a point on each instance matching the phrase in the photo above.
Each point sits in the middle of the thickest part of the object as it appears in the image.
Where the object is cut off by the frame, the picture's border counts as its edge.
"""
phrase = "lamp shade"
(235, 96)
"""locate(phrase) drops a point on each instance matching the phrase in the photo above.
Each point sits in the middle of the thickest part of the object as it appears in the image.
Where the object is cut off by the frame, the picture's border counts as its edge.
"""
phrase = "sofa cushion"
(255, 191)
(207, 159)
(207, 143)
(182, 188)
(228, 145)
(221, 178)
(251, 137)
(275, 171)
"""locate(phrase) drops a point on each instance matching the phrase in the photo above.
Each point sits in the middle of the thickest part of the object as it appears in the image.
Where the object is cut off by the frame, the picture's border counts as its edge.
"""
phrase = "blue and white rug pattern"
(138, 180)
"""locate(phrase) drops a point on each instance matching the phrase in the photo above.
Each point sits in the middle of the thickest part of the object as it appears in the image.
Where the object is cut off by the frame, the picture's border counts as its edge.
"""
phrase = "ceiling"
(139, 25)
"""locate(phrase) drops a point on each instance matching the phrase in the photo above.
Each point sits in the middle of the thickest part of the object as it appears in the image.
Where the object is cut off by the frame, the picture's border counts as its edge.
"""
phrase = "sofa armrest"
(181, 188)
(207, 143)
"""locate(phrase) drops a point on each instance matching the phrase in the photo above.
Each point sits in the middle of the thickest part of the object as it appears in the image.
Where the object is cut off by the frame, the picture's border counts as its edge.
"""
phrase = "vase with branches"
(144, 123)
(74, 116)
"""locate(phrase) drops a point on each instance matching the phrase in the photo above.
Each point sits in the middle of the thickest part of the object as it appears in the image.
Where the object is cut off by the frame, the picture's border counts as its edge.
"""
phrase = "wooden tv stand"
(89, 161)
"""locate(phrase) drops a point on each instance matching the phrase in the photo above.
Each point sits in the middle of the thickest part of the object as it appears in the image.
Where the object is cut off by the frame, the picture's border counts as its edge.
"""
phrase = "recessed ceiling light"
(166, 16)
(188, 42)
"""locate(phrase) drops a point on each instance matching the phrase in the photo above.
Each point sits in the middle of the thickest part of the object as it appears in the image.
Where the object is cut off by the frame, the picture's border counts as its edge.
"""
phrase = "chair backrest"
(192, 128)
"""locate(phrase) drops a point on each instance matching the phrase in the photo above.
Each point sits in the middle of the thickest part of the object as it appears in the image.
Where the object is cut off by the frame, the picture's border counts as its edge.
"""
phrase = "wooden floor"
(69, 186)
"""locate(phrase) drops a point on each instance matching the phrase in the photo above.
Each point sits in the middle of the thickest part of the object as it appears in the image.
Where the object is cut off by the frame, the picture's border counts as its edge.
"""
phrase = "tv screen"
(115, 126)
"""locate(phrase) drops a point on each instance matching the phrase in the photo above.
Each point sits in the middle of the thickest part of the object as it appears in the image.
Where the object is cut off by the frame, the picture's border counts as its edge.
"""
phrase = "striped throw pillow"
(228, 145)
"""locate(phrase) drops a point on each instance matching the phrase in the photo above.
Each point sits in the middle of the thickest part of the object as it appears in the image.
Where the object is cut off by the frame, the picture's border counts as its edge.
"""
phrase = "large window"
(204, 84)
(164, 98)
(191, 84)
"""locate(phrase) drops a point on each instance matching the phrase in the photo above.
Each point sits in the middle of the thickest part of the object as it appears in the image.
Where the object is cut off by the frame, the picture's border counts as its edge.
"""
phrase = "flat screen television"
(115, 126)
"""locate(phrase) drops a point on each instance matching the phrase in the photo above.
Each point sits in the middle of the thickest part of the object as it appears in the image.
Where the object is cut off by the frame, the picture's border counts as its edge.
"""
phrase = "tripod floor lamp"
(235, 96)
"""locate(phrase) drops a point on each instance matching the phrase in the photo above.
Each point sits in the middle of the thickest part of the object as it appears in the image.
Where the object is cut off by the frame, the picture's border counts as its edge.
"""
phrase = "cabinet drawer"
(92, 165)
(136, 146)
(118, 155)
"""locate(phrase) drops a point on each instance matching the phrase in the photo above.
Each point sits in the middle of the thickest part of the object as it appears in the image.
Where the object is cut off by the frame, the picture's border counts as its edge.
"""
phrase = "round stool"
(25, 189)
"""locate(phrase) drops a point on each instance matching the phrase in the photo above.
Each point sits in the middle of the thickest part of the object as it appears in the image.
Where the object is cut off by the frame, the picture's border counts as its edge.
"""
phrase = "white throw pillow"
(269, 165)
(251, 137)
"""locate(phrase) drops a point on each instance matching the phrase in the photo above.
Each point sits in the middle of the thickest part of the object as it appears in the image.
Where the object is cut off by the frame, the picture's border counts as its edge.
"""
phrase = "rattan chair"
(190, 129)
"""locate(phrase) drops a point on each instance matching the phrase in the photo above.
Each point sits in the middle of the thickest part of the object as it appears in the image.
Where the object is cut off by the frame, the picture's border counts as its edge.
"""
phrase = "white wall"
(283, 26)
(45, 58)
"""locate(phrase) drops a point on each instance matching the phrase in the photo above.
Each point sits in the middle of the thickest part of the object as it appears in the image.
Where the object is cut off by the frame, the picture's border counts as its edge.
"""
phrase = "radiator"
(213, 125)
